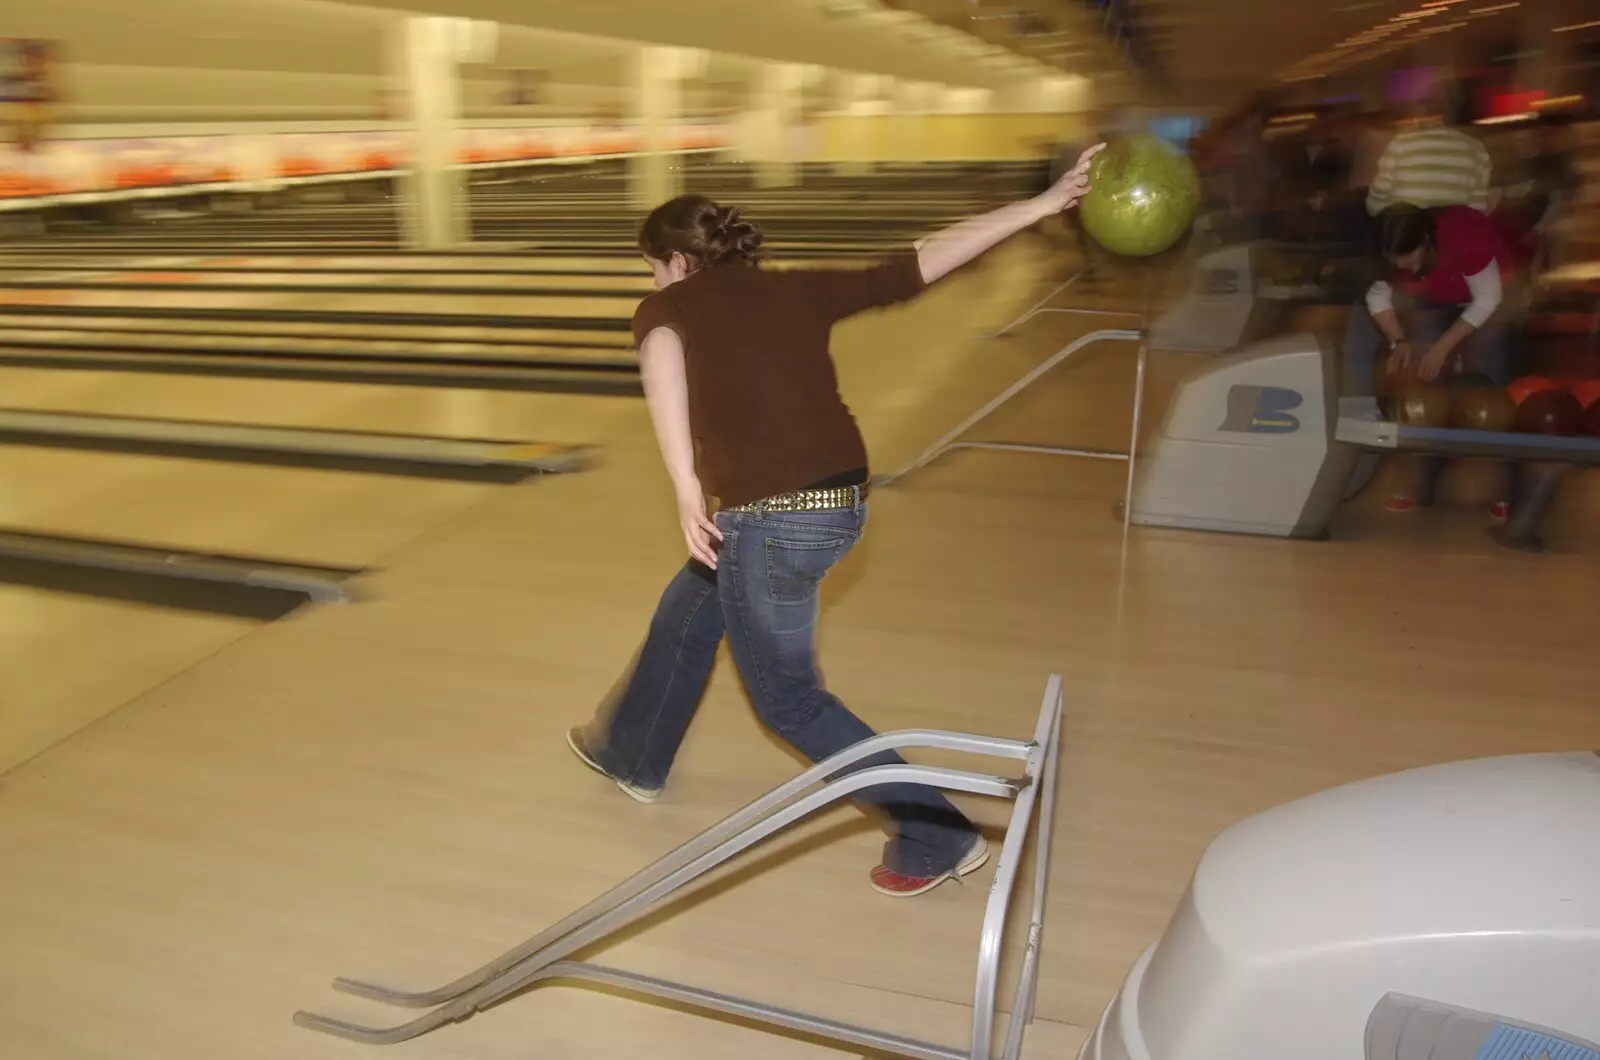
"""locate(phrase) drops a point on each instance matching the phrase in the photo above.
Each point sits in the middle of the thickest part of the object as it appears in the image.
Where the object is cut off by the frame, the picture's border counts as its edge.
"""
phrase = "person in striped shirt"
(1431, 166)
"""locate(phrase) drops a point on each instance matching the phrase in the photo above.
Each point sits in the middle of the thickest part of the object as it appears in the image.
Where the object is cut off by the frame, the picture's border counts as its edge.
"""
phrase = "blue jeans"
(764, 597)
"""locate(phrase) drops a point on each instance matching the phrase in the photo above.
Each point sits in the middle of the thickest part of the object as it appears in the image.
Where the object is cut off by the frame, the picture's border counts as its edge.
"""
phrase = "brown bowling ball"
(1389, 384)
(1550, 412)
(1388, 387)
(1424, 405)
(1483, 408)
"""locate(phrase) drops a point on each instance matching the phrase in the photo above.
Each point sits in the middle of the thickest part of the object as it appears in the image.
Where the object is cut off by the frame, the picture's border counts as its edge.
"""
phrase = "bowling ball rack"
(1458, 442)
(1545, 460)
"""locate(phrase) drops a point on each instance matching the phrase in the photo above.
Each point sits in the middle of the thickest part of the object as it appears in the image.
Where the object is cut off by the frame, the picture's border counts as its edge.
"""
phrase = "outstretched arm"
(944, 252)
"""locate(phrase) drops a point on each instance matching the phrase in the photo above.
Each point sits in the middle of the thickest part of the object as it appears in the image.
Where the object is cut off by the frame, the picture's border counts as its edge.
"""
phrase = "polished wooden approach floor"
(206, 821)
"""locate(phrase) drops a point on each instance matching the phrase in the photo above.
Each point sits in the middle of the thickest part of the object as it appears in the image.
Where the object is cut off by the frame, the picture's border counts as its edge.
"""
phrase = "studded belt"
(840, 498)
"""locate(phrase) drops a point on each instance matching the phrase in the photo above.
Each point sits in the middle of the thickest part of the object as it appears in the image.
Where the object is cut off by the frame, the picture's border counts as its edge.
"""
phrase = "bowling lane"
(67, 660)
(615, 306)
(157, 321)
(422, 307)
(612, 217)
(619, 303)
(564, 418)
(602, 341)
(636, 284)
(386, 265)
(307, 516)
(377, 343)
(320, 241)
(87, 656)
(533, 265)
(66, 299)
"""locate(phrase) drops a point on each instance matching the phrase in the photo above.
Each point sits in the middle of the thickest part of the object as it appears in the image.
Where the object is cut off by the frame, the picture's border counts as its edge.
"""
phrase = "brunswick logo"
(1262, 410)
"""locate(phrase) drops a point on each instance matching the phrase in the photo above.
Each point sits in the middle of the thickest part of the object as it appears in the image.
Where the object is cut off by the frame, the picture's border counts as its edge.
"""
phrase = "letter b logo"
(1262, 410)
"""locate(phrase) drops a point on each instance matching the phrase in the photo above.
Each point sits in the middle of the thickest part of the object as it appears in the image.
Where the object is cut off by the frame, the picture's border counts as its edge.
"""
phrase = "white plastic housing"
(1474, 884)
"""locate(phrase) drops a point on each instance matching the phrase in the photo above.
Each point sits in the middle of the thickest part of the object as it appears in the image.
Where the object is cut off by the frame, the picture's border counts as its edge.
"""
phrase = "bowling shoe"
(887, 881)
(633, 791)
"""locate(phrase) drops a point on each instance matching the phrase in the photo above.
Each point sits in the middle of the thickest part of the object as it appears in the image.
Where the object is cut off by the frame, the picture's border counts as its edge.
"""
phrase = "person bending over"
(1436, 312)
(742, 391)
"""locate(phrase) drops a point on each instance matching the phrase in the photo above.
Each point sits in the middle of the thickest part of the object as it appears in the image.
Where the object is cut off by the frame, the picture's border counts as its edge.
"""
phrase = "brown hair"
(700, 230)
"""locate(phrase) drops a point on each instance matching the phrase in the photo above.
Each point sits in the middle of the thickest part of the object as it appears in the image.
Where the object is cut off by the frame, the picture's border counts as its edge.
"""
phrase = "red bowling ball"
(1521, 389)
(1587, 391)
(1550, 412)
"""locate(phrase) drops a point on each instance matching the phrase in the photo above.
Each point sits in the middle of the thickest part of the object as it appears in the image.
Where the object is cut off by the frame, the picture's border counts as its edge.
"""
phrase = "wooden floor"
(382, 789)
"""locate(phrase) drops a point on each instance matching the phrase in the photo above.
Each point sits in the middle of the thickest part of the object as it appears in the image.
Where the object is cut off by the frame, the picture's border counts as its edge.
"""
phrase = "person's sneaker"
(633, 791)
(1499, 512)
(887, 881)
(1399, 503)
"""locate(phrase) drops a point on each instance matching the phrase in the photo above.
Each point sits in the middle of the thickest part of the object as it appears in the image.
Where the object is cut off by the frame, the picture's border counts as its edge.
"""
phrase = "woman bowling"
(1437, 309)
(741, 390)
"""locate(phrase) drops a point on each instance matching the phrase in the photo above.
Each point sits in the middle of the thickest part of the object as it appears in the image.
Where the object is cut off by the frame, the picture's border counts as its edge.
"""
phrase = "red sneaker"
(1499, 512)
(1399, 503)
(887, 881)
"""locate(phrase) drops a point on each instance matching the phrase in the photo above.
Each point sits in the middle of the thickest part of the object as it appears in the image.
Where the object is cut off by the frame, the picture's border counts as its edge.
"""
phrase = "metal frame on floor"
(952, 438)
(543, 957)
(1041, 306)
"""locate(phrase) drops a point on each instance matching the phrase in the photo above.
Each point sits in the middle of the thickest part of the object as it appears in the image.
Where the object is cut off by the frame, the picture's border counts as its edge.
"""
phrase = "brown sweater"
(764, 405)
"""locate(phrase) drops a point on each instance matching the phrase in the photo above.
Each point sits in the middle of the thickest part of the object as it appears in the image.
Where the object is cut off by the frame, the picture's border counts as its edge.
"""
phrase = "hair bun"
(702, 231)
(730, 239)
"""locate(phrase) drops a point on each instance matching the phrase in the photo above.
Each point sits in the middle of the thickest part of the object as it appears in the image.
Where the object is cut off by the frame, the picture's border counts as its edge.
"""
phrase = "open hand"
(700, 533)
(1066, 192)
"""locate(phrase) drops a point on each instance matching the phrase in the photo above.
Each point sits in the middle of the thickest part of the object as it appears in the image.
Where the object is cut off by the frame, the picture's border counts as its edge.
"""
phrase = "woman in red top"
(746, 407)
(1438, 310)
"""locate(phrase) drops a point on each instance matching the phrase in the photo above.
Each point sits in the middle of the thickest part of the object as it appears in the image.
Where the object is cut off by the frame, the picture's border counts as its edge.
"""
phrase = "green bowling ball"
(1143, 194)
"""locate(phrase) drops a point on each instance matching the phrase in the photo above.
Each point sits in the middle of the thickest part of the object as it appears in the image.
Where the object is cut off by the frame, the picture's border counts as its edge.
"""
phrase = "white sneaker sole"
(636, 794)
